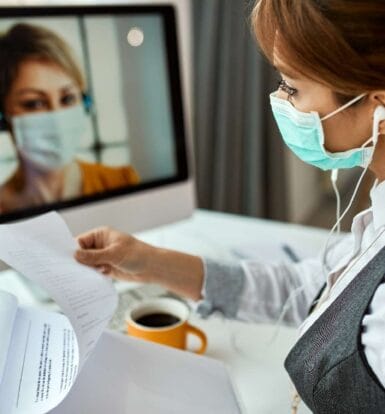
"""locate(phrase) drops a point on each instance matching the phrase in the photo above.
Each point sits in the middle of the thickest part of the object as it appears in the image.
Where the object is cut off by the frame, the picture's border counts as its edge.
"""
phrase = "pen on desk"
(290, 252)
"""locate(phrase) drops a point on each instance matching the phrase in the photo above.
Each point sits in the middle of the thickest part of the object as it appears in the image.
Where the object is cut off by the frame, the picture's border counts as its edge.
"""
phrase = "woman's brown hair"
(25, 41)
(340, 43)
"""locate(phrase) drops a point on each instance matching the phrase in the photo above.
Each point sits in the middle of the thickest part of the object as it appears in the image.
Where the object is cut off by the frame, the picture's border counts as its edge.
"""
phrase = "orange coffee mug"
(165, 321)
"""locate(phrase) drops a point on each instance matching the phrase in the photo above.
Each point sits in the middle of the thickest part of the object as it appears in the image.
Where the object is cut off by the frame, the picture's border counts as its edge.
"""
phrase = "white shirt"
(267, 287)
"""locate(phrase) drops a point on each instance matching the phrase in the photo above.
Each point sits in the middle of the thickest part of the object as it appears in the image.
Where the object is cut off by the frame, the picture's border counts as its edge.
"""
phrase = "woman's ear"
(377, 98)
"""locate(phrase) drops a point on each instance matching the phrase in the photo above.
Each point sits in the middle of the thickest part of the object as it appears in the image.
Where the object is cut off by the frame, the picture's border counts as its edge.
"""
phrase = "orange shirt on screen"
(98, 177)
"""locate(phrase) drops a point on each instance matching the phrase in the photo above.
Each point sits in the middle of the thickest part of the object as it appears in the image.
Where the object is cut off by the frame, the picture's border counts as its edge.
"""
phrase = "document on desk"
(42, 352)
(131, 376)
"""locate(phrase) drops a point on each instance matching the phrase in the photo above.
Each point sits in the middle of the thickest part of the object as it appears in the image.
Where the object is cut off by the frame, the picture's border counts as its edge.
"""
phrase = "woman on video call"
(43, 105)
(330, 109)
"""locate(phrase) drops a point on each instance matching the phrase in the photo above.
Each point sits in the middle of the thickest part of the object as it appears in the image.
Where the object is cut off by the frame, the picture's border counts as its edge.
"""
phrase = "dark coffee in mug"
(157, 320)
(164, 321)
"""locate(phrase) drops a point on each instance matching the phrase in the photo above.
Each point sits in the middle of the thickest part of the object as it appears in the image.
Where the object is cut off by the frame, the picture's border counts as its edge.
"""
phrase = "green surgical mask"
(303, 134)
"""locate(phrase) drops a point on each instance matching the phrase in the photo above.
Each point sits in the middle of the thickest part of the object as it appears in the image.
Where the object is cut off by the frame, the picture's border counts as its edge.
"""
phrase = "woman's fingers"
(90, 257)
(105, 250)
(95, 257)
(95, 239)
(87, 240)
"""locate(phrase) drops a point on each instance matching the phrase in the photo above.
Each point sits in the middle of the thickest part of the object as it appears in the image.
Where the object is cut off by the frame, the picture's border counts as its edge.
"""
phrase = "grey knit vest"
(328, 364)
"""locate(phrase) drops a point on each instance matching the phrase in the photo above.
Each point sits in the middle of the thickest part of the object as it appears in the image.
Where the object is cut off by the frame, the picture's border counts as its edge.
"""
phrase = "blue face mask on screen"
(303, 134)
(49, 139)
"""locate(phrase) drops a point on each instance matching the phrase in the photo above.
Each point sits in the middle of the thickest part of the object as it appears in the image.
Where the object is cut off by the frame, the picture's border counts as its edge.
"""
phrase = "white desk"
(255, 364)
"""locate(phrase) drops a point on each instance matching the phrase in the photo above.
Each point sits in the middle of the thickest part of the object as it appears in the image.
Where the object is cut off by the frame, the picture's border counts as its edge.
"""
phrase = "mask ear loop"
(340, 109)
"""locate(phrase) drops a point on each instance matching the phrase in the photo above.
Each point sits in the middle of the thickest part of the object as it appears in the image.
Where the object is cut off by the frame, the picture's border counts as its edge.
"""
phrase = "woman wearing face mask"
(330, 109)
(43, 104)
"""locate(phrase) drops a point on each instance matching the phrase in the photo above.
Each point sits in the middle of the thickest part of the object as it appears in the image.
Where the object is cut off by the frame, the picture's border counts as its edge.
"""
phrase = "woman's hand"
(115, 254)
(124, 257)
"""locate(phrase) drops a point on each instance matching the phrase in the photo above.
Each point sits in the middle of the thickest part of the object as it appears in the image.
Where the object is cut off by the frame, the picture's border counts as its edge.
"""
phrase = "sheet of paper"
(42, 249)
(126, 376)
(42, 363)
(47, 350)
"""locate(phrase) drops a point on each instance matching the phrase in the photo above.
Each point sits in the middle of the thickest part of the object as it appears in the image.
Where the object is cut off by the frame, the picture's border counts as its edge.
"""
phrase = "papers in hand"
(41, 352)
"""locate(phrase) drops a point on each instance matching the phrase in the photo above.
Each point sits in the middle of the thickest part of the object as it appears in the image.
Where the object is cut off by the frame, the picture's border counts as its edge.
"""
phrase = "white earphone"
(379, 116)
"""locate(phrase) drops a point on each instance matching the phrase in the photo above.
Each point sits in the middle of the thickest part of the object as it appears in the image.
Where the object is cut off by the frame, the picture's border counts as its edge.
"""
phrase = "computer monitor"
(93, 112)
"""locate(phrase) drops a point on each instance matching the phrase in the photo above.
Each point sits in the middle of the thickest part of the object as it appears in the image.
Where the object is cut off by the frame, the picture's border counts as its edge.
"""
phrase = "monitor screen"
(90, 105)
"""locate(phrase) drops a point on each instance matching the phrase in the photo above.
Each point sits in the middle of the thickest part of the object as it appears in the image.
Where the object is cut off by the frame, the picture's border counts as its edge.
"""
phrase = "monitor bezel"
(168, 13)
